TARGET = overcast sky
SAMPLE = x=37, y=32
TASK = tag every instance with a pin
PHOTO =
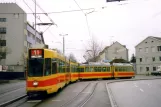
x=128, y=22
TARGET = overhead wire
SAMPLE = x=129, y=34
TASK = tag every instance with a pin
x=86, y=18
x=38, y=18
x=48, y=17
x=45, y=13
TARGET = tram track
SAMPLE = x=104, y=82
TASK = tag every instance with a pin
x=83, y=94
x=88, y=97
x=12, y=101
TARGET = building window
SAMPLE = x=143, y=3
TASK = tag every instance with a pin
x=140, y=49
x=2, y=19
x=29, y=45
x=141, y=68
x=145, y=42
x=25, y=49
x=146, y=59
x=153, y=59
x=160, y=58
x=3, y=55
x=159, y=48
x=2, y=30
x=154, y=68
x=2, y=42
x=152, y=41
x=146, y=49
x=33, y=36
x=140, y=59
x=147, y=68
x=16, y=15
x=153, y=49
x=29, y=34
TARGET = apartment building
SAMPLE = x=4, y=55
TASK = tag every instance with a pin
x=148, y=55
x=16, y=36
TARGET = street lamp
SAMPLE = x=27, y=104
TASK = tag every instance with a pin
x=63, y=42
x=114, y=0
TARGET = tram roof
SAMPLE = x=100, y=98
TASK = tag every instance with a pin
x=96, y=64
x=122, y=64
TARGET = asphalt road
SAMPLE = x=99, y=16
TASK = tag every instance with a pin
x=10, y=91
x=76, y=94
x=143, y=93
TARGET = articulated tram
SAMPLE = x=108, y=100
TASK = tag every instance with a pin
x=48, y=71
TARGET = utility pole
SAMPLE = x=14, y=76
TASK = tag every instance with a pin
x=35, y=22
x=63, y=42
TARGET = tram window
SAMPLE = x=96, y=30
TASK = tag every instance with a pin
x=95, y=69
x=108, y=69
x=35, y=67
x=132, y=68
x=72, y=69
x=67, y=67
x=99, y=69
x=120, y=69
x=123, y=69
x=60, y=66
x=75, y=69
x=47, y=66
x=91, y=69
x=104, y=69
x=80, y=69
x=86, y=69
x=128, y=69
x=54, y=68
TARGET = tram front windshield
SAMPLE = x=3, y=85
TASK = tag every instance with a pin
x=35, y=67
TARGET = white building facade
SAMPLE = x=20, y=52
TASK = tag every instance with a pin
x=16, y=36
x=148, y=55
x=114, y=51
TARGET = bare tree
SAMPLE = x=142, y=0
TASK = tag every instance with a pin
x=72, y=57
x=92, y=53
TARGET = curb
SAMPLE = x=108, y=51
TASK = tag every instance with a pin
x=111, y=97
x=4, y=81
x=11, y=101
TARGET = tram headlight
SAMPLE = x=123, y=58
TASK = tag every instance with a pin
x=35, y=83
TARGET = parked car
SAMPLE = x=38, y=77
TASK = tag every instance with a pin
x=156, y=73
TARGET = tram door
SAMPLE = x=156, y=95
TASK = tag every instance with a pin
x=112, y=71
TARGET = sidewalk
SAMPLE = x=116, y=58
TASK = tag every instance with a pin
x=9, y=81
x=4, y=81
x=146, y=77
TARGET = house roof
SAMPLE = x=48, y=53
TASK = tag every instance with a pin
x=157, y=38
x=118, y=43
x=103, y=50
x=110, y=46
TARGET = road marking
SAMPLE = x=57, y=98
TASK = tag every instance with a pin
x=136, y=85
x=56, y=100
x=141, y=90
x=86, y=92
x=34, y=101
